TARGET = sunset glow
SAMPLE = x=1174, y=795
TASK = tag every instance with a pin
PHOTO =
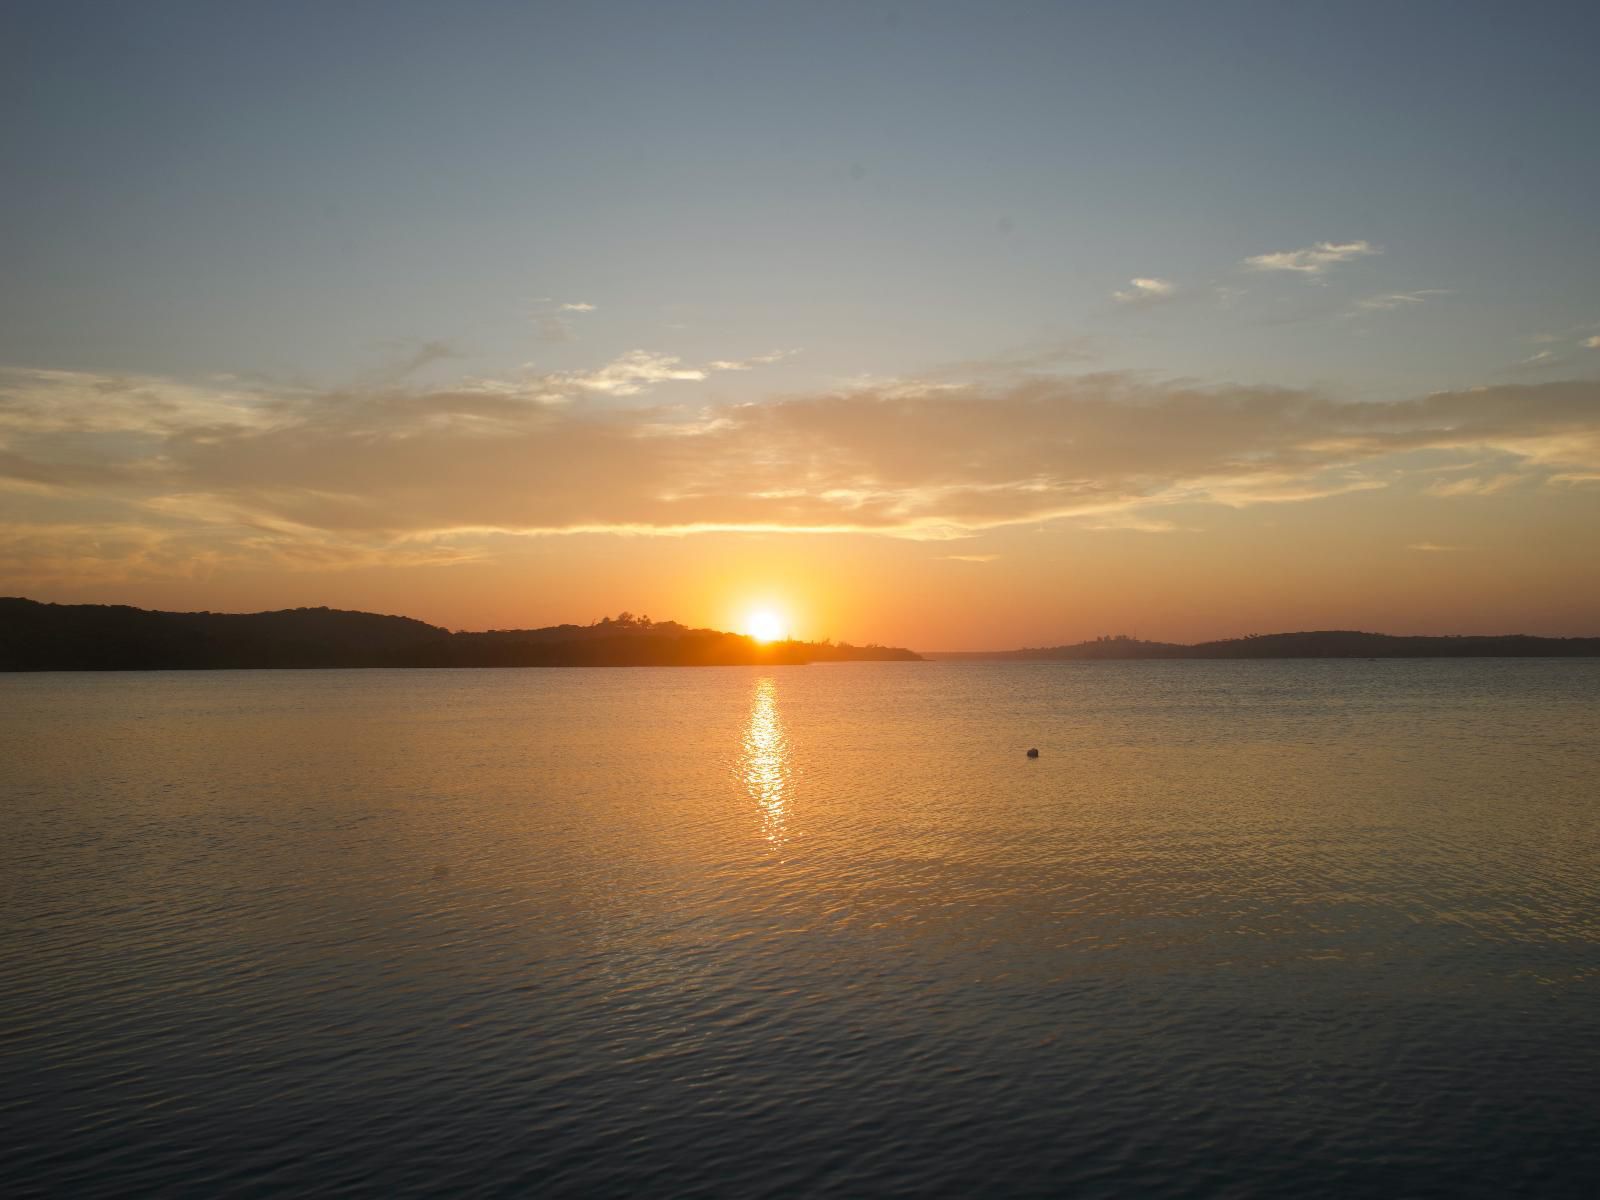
x=861, y=599
x=765, y=625
x=945, y=367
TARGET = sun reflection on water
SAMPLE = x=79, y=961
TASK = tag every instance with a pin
x=766, y=765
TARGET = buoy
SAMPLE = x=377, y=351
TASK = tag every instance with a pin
x=1033, y=753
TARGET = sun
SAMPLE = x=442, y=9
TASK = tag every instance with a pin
x=766, y=626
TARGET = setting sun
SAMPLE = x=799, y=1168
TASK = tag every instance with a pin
x=766, y=626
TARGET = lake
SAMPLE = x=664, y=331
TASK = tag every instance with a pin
x=1297, y=928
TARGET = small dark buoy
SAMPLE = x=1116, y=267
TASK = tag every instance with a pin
x=1033, y=753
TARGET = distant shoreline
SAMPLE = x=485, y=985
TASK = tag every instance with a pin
x=35, y=636
x=98, y=637
x=1336, y=643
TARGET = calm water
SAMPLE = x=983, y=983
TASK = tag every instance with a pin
x=1284, y=928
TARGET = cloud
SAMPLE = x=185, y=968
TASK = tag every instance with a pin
x=398, y=475
x=414, y=354
x=1396, y=300
x=629, y=374
x=1146, y=290
x=1474, y=485
x=551, y=328
x=550, y=324
x=100, y=406
x=1313, y=260
x=1542, y=360
x=744, y=364
x=1128, y=522
x=633, y=372
x=1044, y=357
x=71, y=553
x=1433, y=548
x=1557, y=348
x=970, y=558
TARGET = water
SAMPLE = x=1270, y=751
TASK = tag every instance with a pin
x=1243, y=929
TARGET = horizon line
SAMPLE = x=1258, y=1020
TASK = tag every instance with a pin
x=1111, y=639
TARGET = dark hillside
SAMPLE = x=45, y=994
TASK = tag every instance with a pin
x=93, y=637
x=1333, y=643
x=65, y=637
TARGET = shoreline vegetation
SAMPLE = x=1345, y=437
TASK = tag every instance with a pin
x=97, y=637
x=101, y=637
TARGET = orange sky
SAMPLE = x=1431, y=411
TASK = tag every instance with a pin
x=926, y=327
x=1482, y=535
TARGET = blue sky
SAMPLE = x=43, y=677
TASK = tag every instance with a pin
x=452, y=308
x=304, y=191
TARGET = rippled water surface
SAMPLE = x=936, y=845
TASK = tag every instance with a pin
x=1280, y=928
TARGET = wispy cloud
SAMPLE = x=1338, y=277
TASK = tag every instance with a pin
x=550, y=321
x=1394, y=300
x=1313, y=260
x=1474, y=485
x=1146, y=290
x=629, y=374
x=970, y=558
x=1543, y=360
x=1045, y=357
x=633, y=372
x=1433, y=548
x=400, y=475
x=1558, y=346
x=1129, y=522
x=745, y=364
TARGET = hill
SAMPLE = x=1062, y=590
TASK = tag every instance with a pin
x=1332, y=643
x=95, y=637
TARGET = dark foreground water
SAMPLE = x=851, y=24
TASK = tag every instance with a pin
x=1285, y=928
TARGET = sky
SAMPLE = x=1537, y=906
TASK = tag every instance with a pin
x=955, y=326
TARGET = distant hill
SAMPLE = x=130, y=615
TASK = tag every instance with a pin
x=97, y=637
x=1332, y=643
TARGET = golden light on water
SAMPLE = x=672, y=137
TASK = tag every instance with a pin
x=766, y=760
